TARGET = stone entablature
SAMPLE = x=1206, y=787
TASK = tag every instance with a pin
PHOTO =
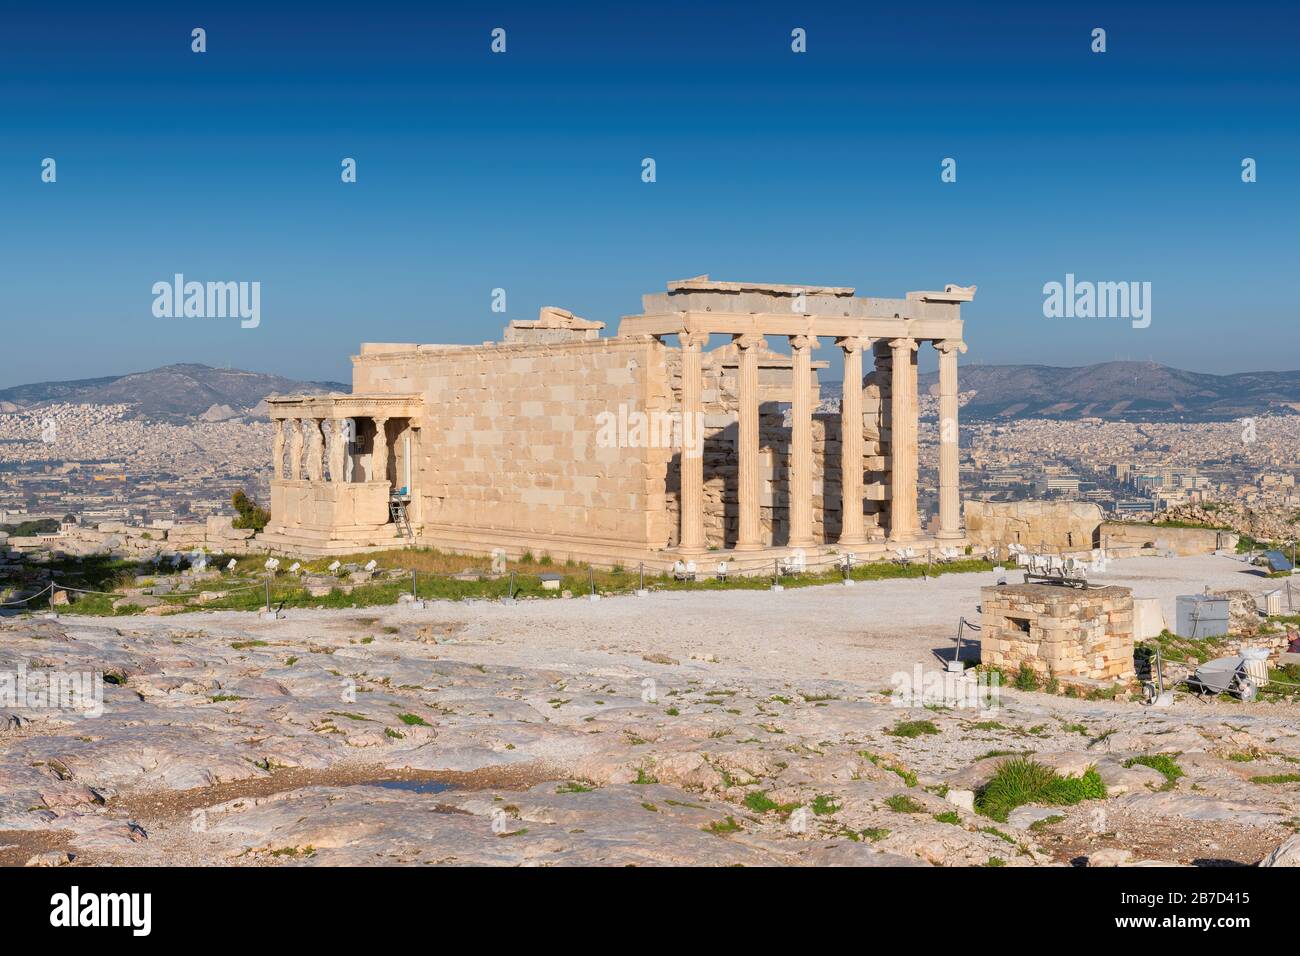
x=336, y=406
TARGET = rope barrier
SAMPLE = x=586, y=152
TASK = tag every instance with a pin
x=31, y=597
x=733, y=566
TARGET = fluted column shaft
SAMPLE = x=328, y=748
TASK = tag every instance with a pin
x=949, y=483
x=801, y=460
x=748, y=484
x=903, y=451
x=692, y=454
x=852, y=530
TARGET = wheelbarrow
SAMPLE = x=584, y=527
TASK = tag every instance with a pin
x=1225, y=675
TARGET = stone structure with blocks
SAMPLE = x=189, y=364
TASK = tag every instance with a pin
x=646, y=445
x=1072, y=634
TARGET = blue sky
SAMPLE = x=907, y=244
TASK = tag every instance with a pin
x=522, y=171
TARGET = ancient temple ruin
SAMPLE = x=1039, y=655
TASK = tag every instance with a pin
x=644, y=445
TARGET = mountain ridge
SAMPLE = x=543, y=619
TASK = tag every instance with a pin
x=1114, y=391
x=179, y=392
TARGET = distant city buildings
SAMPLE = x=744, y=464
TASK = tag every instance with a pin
x=97, y=464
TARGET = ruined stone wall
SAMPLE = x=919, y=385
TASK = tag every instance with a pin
x=508, y=452
x=1120, y=536
x=1058, y=631
x=1050, y=526
x=721, y=403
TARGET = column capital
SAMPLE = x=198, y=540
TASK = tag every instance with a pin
x=803, y=341
x=949, y=345
x=689, y=339
x=904, y=343
x=749, y=340
x=854, y=343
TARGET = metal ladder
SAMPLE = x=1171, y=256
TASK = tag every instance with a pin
x=397, y=511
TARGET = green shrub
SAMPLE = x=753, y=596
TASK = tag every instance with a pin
x=901, y=803
x=1166, y=764
x=1021, y=781
x=249, y=514
x=912, y=728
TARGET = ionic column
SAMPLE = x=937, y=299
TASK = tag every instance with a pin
x=852, y=530
x=315, y=449
x=277, y=449
x=295, y=450
x=748, y=484
x=379, y=456
x=692, y=456
x=337, y=452
x=902, y=483
x=949, y=486
x=801, y=461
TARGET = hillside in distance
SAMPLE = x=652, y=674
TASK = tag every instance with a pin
x=175, y=393
x=1121, y=391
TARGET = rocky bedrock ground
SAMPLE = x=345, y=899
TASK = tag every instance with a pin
x=651, y=731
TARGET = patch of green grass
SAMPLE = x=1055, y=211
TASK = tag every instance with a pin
x=1164, y=763
x=574, y=786
x=997, y=753
x=912, y=728
x=1038, y=826
x=995, y=861
x=242, y=645
x=907, y=776
x=413, y=720
x=949, y=816
x=294, y=851
x=994, y=831
x=99, y=573
x=874, y=834
x=902, y=803
x=220, y=698
x=395, y=734
x=1277, y=778
x=760, y=802
x=824, y=805
x=643, y=778
x=1021, y=781
x=719, y=827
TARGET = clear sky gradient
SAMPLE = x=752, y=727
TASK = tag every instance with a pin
x=523, y=170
